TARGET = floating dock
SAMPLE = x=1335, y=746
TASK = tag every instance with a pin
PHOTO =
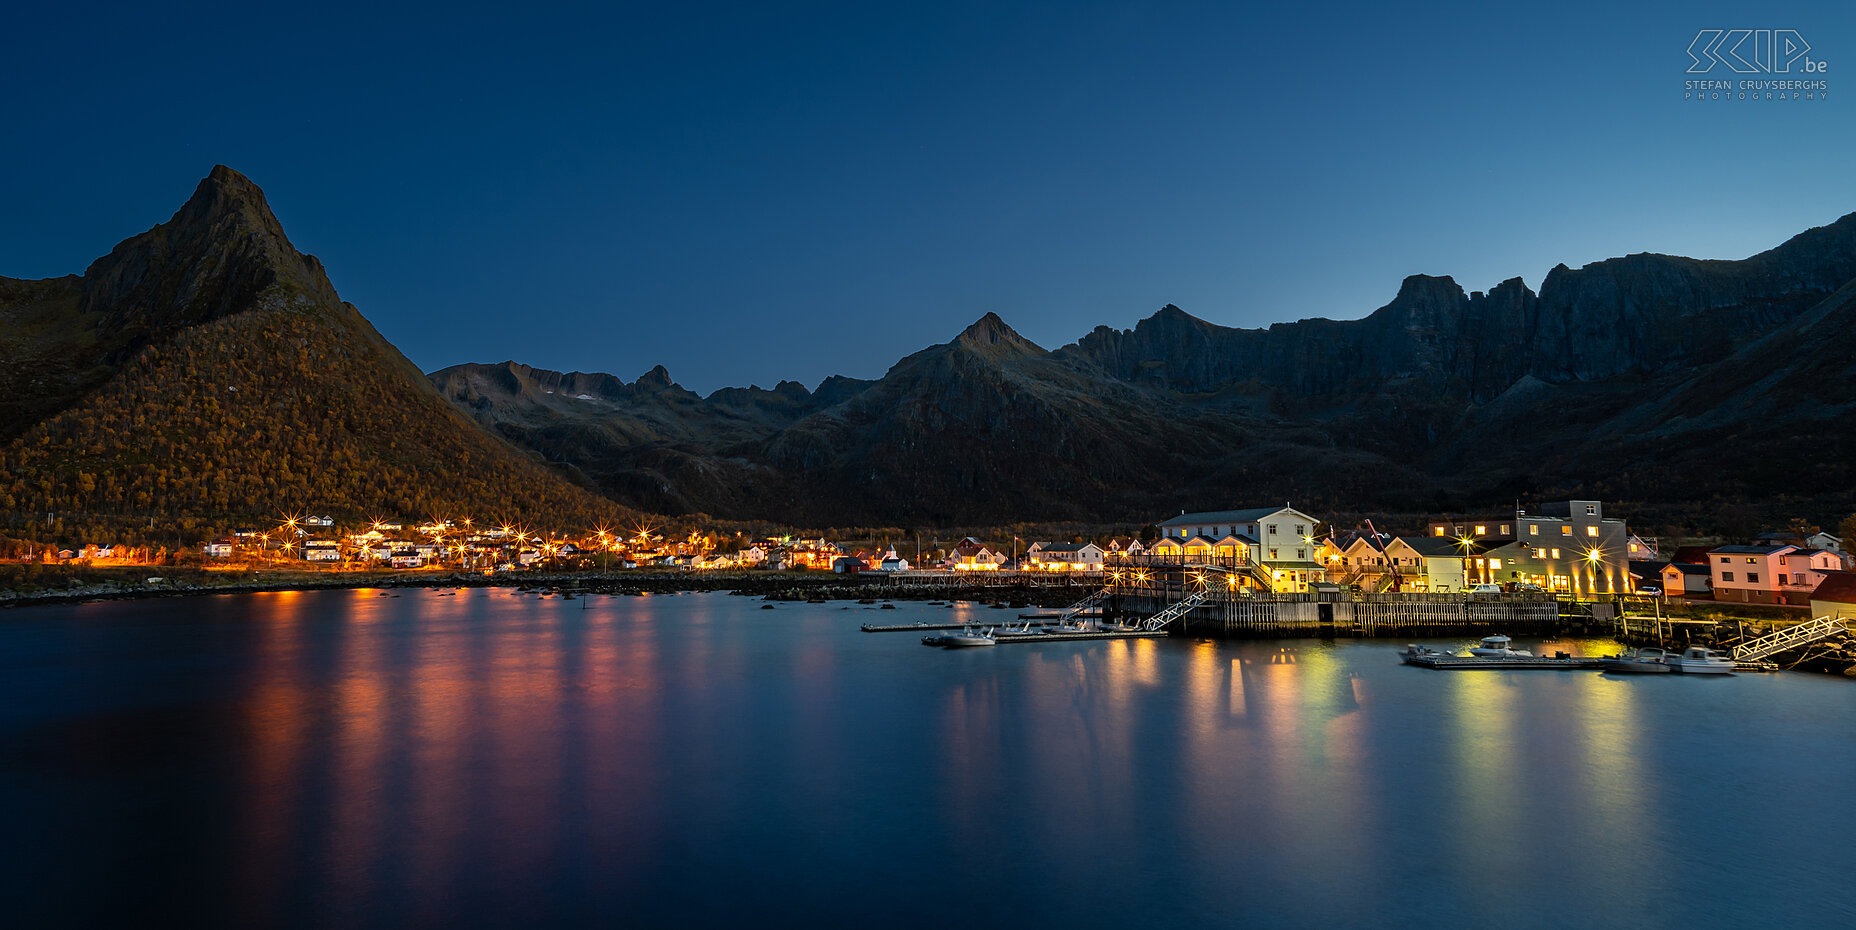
x=908, y=627
x=1003, y=638
x=1479, y=662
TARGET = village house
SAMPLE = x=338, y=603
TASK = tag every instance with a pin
x=1688, y=579
x=219, y=549
x=1769, y=574
x=1428, y=563
x=892, y=562
x=1121, y=547
x=321, y=550
x=1076, y=557
x=971, y=555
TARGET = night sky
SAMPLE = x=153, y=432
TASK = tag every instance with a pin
x=765, y=191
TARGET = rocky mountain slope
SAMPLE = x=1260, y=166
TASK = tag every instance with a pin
x=205, y=373
x=1648, y=379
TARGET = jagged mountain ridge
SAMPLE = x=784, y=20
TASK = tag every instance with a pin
x=1439, y=398
x=206, y=372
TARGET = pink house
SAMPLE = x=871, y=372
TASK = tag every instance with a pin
x=1802, y=570
x=1769, y=574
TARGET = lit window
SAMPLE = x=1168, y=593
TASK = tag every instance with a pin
x=1556, y=553
x=1749, y=560
x=1495, y=565
x=1482, y=531
x=1565, y=530
x=1633, y=547
x=1533, y=529
x=1272, y=554
x=1593, y=531
x=1540, y=553
x=1504, y=529
x=1440, y=531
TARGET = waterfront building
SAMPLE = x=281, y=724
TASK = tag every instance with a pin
x=219, y=549
x=1571, y=548
x=1077, y=557
x=1769, y=574
x=1281, y=542
x=971, y=555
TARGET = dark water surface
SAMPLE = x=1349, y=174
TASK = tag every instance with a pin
x=492, y=759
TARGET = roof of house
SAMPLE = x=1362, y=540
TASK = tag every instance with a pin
x=1837, y=586
x=1690, y=568
x=1643, y=568
x=1809, y=552
x=1749, y=550
x=1068, y=547
x=1694, y=555
x=1225, y=516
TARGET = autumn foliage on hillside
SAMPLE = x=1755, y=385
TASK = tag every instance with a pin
x=292, y=408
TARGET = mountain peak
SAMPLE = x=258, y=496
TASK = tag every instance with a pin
x=214, y=257
x=657, y=377
x=991, y=332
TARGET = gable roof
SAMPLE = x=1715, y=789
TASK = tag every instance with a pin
x=1689, y=568
x=1229, y=516
x=1749, y=550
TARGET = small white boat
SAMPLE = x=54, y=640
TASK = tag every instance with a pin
x=969, y=638
x=1639, y=662
x=1498, y=646
x=966, y=637
x=1698, y=660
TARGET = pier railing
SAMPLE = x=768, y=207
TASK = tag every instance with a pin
x=1792, y=637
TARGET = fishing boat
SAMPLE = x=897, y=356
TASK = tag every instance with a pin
x=1699, y=660
x=1498, y=646
x=1647, y=661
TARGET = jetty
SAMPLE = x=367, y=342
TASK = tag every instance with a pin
x=1502, y=662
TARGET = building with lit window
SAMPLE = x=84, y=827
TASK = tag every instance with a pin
x=1769, y=574
x=1281, y=541
x=1570, y=548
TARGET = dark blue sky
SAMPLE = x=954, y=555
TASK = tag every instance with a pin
x=765, y=191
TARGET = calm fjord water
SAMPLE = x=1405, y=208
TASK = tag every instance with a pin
x=496, y=759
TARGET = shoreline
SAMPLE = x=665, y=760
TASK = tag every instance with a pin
x=788, y=587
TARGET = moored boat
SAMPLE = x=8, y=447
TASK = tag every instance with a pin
x=1498, y=647
x=960, y=638
x=1638, y=662
x=1699, y=660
